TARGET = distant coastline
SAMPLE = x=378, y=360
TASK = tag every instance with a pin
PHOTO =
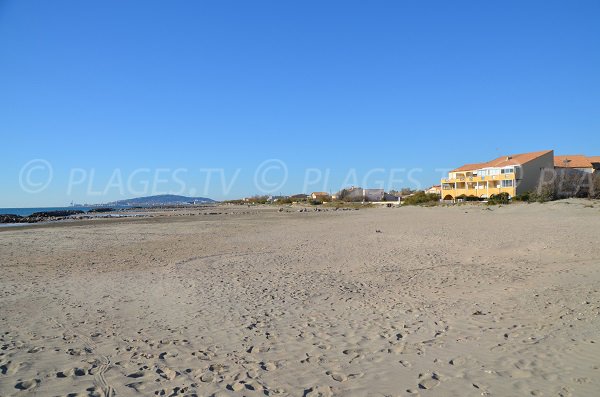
x=149, y=201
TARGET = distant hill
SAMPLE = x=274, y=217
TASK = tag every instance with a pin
x=163, y=199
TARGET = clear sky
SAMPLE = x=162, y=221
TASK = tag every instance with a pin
x=100, y=89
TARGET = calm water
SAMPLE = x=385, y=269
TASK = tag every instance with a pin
x=29, y=211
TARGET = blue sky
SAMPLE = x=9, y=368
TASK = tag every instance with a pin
x=100, y=89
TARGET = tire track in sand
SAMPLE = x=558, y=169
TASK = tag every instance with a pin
x=104, y=362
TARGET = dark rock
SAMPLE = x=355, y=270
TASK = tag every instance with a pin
x=101, y=210
x=11, y=218
x=52, y=214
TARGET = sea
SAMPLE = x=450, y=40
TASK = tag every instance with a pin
x=29, y=211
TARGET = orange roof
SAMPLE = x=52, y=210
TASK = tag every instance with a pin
x=320, y=193
x=503, y=161
x=575, y=161
x=469, y=167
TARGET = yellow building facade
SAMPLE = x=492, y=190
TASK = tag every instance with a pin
x=473, y=183
x=512, y=174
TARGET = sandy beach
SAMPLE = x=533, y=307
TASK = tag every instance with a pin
x=457, y=301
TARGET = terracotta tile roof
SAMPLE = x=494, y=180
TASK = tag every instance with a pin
x=320, y=193
x=504, y=161
x=469, y=167
x=575, y=161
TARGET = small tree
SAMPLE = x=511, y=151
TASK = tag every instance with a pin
x=500, y=198
x=595, y=188
x=545, y=192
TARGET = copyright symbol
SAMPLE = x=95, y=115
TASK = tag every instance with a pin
x=35, y=175
x=270, y=176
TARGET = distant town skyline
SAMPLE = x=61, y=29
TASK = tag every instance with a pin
x=214, y=99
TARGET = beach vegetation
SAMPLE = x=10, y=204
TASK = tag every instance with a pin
x=524, y=197
x=500, y=198
x=546, y=192
x=421, y=198
x=464, y=197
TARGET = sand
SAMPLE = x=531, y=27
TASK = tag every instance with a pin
x=461, y=301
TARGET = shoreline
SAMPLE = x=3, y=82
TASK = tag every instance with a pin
x=191, y=211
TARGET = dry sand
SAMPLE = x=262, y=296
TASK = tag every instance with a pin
x=462, y=301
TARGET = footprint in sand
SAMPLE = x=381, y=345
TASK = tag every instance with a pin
x=136, y=375
x=236, y=386
x=35, y=349
x=353, y=352
x=137, y=386
x=268, y=366
x=318, y=391
x=428, y=381
x=218, y=368
x=27, y=384
x=71, y=372
x=337, y=376
x=204, y=355
x=459, y=361
x=207, y=377
x=8, y=368
x=167, y=373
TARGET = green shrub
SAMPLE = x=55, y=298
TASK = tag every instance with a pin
x=595, y=188
x=526, y=197
x=421, y=198
x=464, y=197
x=500, y=198
x=237, y=201
x=544, y=193
x=284, y=200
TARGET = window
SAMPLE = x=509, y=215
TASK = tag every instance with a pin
x=507, y=183
x=508, y=171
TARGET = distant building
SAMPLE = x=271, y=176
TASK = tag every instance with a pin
x=319, y=196
x=435, y=189
x=351, y=194
x=274, y=199
x=359, y=194
x=515, y=174
x=299, y=196
x=373, y=194
x=578, y=162
x=390, y=197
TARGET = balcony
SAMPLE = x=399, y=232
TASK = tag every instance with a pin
x=479, y=178
x=468, y=191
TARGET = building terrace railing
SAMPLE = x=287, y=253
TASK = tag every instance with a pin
x=479, y=178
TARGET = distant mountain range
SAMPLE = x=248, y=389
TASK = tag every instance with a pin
x=163, y=199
